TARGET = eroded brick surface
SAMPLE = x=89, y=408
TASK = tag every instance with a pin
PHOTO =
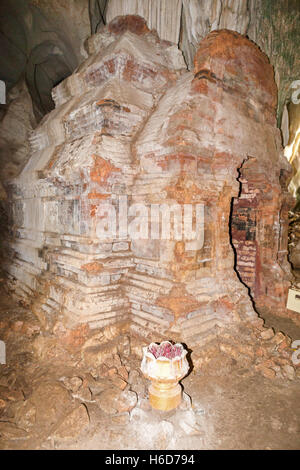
x=131, y=121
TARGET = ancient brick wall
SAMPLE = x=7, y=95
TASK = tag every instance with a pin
x=133, y=126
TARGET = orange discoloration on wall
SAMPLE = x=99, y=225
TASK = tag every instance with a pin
x=178, y=301
x=133, y=23
x=186, y=161
x=241, y=58
x=101, y=170
x=92, y=268
x=95, y=195
x=75, y=338
x=93, y=210
x=184, y=191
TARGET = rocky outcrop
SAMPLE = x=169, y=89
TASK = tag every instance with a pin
x=42, y=41
x=17, y=123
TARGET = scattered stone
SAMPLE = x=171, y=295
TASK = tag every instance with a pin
x=127, y=401
x=84, y=394
x=73, y=383
x=144, y=404
x=47, y=404
x=107, y=400
x=279, y=337
x=73, y=424
x=288, y=371
x=122, y=371
x=98, y=386
x=94, y=341
x=137, y=383
x=112, y=371
x=117, y=381
x=268, y=373
x=113, y=401
x=94, y=356
x=11, y=431
x=267, y=334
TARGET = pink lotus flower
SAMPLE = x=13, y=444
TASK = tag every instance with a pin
x=165, y=349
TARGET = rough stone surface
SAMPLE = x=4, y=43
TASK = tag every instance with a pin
x=132, y=121
x=73, y=424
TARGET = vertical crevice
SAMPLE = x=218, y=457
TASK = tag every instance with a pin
x=230, y=225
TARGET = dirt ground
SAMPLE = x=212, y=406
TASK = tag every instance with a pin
x=239, y=409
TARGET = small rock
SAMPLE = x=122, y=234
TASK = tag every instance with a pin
x=113, y=361
x=112, y=371
x=279, y=338
x=103, y=370
x=107, y=400
x=25, y=415
x=137, y=383
x=117, y=381
x=112, y=401
x=84, y=394
x=127, y=401
x=145, y=405
x=73, y=383
x=73, y=424
x=98, y=386
x=268, y=373
x=288, y=371
x=95, y=340
x=122, y=371
x=267, y=334
x=133, y=376
x=11, y=395
x=47, y=404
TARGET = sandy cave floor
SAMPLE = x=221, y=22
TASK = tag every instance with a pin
x=239, y=409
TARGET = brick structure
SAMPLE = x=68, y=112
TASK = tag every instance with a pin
x=132, y=121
